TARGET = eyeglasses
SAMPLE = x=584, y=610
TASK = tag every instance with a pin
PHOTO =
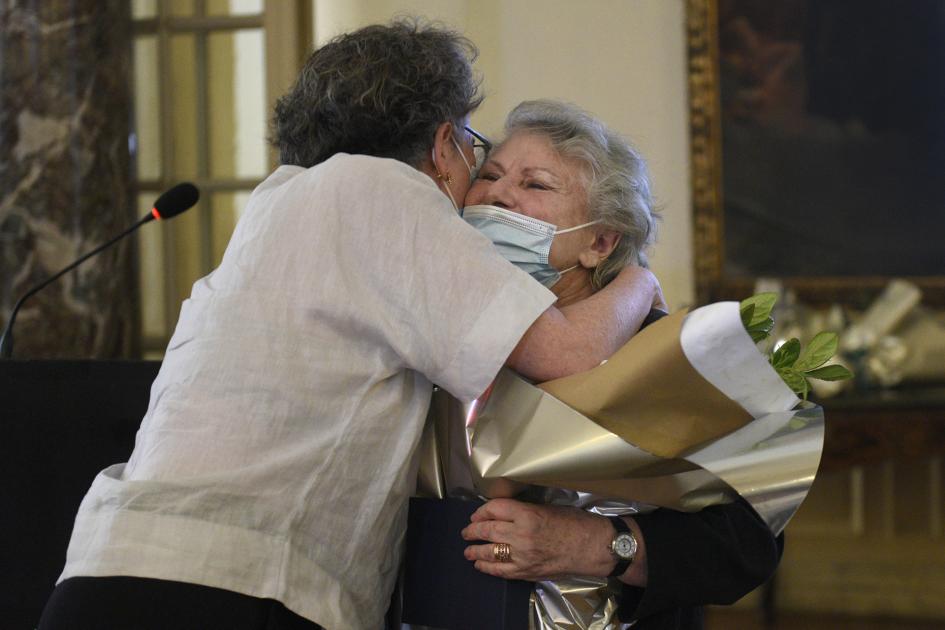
x=481, y=146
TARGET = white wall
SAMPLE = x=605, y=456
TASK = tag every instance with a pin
x=623, y=60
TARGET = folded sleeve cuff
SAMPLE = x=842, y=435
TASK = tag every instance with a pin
x=493, y=336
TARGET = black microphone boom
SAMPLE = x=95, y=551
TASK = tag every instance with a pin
x=171, y=203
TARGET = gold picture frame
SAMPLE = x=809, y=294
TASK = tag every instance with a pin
x=705, y=118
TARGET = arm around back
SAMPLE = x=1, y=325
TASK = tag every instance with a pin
x=578, y=337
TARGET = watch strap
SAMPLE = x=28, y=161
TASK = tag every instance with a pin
x=621, y=527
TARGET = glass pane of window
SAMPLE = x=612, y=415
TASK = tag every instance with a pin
x=234, y=7
x=181, y=8
x=151, y=273
x=240, y=200
x=237, y=95
x=227, y=209
x=187, y=248
x=143, y=9
x=183, y=116
x=146, y=138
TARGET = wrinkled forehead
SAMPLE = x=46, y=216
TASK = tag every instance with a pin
x=534, y=150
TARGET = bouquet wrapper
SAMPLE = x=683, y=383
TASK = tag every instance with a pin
x=687, y=414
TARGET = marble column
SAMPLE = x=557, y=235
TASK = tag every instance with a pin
x=65, y=178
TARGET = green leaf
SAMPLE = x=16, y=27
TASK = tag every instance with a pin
x=786, y=354
x=746, y=311
x=758, y=335
x=794, y=379
x=760, y=331
x=763, y=326
x=830, y=373
x=818, y=351
x=761, y=305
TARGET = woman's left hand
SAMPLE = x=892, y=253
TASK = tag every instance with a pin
x=545, y=541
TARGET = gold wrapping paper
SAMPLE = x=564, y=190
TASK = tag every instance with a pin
x=643, y=430
x=637, y=394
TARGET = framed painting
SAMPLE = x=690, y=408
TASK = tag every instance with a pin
x=817, y=146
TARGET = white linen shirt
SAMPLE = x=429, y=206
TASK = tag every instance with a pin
x=277, y=453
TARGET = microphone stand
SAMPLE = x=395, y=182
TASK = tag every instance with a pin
x=6, y=340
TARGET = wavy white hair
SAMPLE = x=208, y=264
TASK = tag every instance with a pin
x=615, y=176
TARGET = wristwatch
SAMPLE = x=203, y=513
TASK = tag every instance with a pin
x=623, y=547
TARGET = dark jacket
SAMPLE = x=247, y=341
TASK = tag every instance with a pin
x=715, y=556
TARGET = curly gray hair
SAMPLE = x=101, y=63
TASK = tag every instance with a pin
x=615, y=177
x=381, y=91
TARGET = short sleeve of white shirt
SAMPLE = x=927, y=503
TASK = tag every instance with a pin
x=385, y=238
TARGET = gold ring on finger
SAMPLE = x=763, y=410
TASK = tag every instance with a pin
x=502, y=552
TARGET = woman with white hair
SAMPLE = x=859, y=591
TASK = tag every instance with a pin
x=568, y=200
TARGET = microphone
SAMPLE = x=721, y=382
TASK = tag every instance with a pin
x=172, y=202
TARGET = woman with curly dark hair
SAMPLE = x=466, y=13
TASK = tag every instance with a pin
x=270, y=476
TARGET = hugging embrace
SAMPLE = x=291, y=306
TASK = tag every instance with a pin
x=269, y=481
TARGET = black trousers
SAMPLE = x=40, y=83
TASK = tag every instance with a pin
x=133, y=603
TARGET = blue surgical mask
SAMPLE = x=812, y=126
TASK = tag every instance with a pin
x=523, y=241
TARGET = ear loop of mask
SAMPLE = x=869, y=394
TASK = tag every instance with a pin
x=446, y=185
x=471, y=169
x=577, y=227
x=572, y=229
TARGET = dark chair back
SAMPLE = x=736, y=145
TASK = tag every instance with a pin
x=61, y=422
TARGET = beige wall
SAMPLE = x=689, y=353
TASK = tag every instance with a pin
x=624, y=60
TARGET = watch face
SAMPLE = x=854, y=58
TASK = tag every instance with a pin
x=625, y=546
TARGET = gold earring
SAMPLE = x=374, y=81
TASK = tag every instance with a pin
x=446, y=178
